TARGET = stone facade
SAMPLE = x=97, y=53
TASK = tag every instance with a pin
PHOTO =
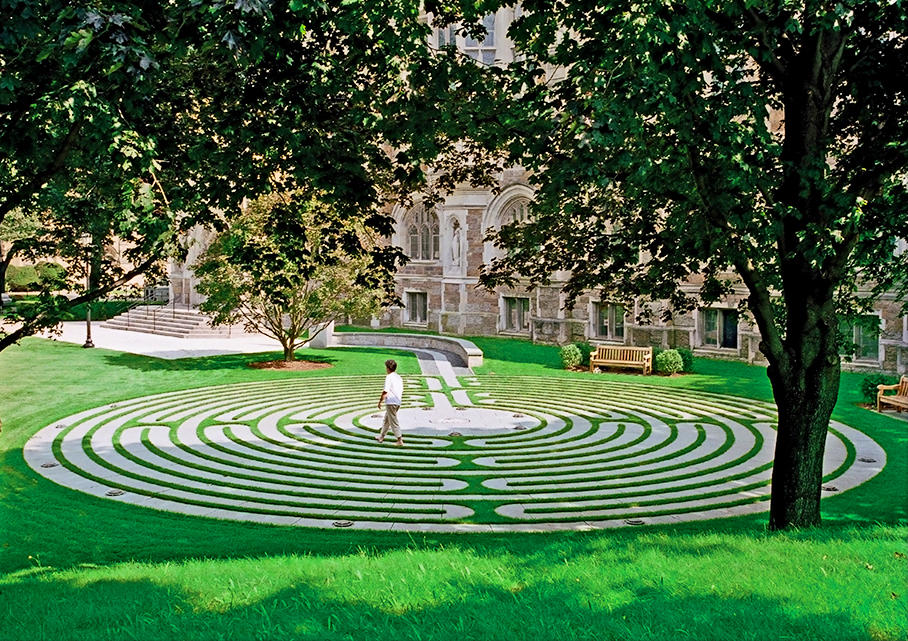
x=440, y=291
x=182, y=280
x=445, y=284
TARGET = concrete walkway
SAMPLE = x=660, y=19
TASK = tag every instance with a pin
x=166, y=347
x=431, y=362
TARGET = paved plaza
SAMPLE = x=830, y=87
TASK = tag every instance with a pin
x=482, y=453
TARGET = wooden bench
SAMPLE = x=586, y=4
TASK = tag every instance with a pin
x=899, y=400
x=621, y=356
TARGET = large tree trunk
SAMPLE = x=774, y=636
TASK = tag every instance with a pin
x=4, y=264
x=805, y=400
x=805, y=385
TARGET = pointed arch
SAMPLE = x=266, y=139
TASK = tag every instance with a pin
x=420, y=235
x=511, y=205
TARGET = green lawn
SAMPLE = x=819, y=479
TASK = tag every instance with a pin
x=74, y=566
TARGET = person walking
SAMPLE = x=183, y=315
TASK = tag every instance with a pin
x=391, y=396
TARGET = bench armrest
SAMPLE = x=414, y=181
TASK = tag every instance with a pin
x=885, y=387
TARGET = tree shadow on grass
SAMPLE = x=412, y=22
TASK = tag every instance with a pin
x=241, y=362
x=435, y=606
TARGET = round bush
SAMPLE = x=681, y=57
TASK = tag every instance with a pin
x=669, y=362
x=687, y=357
x=22, y=278
x=570, y=356
x=585, y=349
x=869, y=383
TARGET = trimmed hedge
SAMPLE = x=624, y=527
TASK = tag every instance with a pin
x=687, y=357
x=585, y=349
x=26, y=278
x=869, y=383
x=101, y=310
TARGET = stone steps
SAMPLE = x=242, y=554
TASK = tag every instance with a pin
x=169, y=321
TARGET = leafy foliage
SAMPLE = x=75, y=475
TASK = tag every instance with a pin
x=687, y=358
x=252, y=274
x=135, y=121
x=570, y=356
x=749, y=146
x=585, y=349
x=669, y=361
x=23, y=278
x=869, y=385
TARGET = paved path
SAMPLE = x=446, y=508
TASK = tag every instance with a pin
x=482, y=454
x=166, y=347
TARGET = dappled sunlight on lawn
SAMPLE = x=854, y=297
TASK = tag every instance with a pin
x=708, y=586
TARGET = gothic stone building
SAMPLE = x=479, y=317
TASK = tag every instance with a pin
x=439, y=289
x=445, y=244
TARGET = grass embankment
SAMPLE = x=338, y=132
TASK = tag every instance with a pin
x=79, y=567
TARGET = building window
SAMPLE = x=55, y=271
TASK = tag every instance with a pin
x=609, y=321
x=516, y=314
x=516, y=211
x=720, y=328
x=447, y=37
x=422, y=231
x=861, y=338
x=417, y=307
x=483, y=50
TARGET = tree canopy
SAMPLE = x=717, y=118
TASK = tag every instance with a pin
x=762, y=143
x=253, y=274
x=139, y=120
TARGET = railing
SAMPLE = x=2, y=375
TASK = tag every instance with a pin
x=150, y=308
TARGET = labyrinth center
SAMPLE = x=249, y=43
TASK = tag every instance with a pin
x=498, y=453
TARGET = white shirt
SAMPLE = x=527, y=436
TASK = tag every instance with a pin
x=394, y=386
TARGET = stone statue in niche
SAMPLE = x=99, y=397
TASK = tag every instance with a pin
x=456, y=244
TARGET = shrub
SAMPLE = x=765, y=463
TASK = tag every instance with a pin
x=585, y=349
x=869, y=383
x=669, y=362
x=101, y=310
x=570, y=356
x=687, y=357
x=21, y=278
x=28, y=278
x=50, y=273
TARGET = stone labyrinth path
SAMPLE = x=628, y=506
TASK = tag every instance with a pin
x=481, y=454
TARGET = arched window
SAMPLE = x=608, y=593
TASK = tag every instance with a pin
x=516, y=211
x=422, y=231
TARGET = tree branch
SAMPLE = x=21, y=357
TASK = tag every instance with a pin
x=13, y=200
x=35, y=324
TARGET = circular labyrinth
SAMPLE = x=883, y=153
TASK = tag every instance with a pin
x=501, y=454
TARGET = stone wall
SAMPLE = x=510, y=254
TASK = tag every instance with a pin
x=458, y=307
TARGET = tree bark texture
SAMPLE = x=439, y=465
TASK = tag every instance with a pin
x=4, y=264
x=805, y=379
x=805, y=400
